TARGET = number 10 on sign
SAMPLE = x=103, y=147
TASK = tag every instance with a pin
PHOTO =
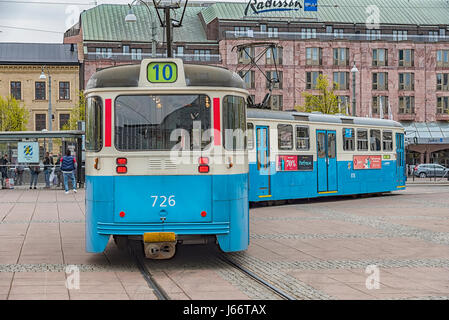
x=162, y=72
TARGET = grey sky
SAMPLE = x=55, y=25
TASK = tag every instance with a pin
x=45, y=15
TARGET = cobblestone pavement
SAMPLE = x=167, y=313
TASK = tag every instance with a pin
x=319, y=249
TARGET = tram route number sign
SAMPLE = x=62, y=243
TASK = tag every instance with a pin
x=295, y=163
x=162, y=72
x=367, y=162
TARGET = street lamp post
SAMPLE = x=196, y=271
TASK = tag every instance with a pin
x=50, y=112
x=131, y=17
x=354, y=71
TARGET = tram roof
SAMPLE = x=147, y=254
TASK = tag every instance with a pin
x=317, y=117
x=196, y=75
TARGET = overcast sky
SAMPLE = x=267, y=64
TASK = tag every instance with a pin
x=20, y=19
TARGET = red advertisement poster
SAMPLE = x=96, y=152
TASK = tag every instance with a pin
x=287, y=163
x=367, y=162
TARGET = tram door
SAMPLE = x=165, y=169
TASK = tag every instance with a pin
x=263, y=161
x=400, y=159
x=327, y=161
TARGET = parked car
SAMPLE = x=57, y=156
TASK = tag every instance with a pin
x=430, y=170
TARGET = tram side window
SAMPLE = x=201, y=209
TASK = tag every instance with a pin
x=234, y=123
x=250, y=136
x=362, y=140
x=348, y=139
x=375, y=140
x=302, y=138
x=162, y=122
x=387, y=140
x=285, y=137
x=94, y=136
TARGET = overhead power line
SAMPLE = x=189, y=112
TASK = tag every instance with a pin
x=50, y=2
x=30, y=29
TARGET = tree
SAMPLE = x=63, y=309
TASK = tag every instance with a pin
x=325, y=102
x=77, y=114
x=13, y=115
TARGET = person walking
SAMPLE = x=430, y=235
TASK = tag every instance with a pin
x=68, y=166
x=48, y=163
x=4, y=168
x=34, y=170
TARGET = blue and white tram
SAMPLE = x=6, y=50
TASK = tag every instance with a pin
x=158, y=165
x=296, y=155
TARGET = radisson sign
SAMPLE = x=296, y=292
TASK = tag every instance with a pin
x=261, y=6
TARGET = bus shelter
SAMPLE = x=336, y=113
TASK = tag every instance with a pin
x=10, y=141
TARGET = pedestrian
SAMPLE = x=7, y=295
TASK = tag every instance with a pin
x=48, y=163
x=34, y=170
x=4, y=168
x=58, y=170
x=68, y=166
x=19, y=172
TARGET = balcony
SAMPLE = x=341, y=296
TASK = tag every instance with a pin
x=406, y=116
x=442, y=117
x=255, y=35
x=136, y=58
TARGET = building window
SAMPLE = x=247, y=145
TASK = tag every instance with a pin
x=302, y=138
x=276, y=77
x=329, y=29
x=40, y=121
x=380, y=81
x=311, y=79
x=285, y=137
x=375, y=142
x=314, y=56
x=202, y=55
x=379, y=101
x=373, y=34
x=387, y=140
x=64, y=90
x=442, y=105
x=263, y=28
x=348, y=139
x=249, y=78
x=442, y=81
x=125, y=51
x=16, y=90
x=443, y=58
x=273, y=32
x=407, y=105
x=341, y=80
x=64, y=119
x=275, y=102
x=105, y=53
x=39, y=90
x=244, y=55
x=407, y=81
x=136, y=54
x=242, y=31
x=400, y=35
x=433, y=36
x=308, y=33
x=380, y=57
x=274, y=56
x=338, y=33
x=362, y=140
x=406, y=58
x=341, y=57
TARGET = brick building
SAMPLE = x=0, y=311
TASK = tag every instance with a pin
x=402, y=62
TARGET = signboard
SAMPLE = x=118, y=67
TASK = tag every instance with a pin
x=295, y=163
x=162, y=72
x=348, y=133
x=310, y=5
x=367, y=162
x=261, y=6
x=28, y=152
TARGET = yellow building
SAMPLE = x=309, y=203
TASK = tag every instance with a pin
x=22, y=66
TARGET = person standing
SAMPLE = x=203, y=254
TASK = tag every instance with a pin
x=4, y=168
x=68, y=166
x=48, y=163
x=34, y=170
x=19, y=171
x=58, y=170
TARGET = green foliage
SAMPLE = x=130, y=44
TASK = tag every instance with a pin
x=325, y=102
x=77, y=114
x=13, y=116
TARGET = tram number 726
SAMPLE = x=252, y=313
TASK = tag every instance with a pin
x=163, y=201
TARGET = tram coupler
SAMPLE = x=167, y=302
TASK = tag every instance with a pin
x=159, y=245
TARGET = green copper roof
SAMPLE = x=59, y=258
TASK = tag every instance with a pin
x=411, y=12
x=107, y=23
